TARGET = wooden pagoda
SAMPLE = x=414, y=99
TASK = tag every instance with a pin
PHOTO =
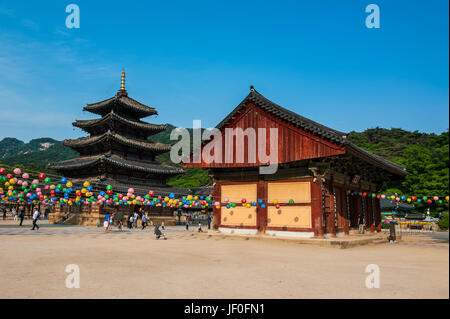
x=118, y=152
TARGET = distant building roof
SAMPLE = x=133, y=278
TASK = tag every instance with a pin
x=392, y=204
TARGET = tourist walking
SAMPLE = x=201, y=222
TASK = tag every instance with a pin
x=36, y=215
x=4, y=212
x=22, y=215
x=200, y=230
x=144, y=221
x=111, y=221
x=187, y=223
x=135, y=219
x=119, y=218
x=209, y=222
x=163, y=226
x=130, y=222
x=14, y=213
x=361, y=224
x=106, y=222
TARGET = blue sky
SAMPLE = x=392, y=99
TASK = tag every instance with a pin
x=197, y=59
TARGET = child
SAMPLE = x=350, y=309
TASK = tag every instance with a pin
x=200, y=230
x=106, y=222
x=111, y=221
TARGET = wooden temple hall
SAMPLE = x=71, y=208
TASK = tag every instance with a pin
x=312, y=193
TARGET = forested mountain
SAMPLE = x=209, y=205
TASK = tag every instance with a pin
x=425, y=156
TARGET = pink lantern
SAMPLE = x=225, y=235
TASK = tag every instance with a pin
x=131, y=190
x=25, y=184
x=17, y=171
x=25, y=176
x=436, y=198
x=383, y=196
x=226, y=200
x=397, y=199
x=19, y=182
x=35, y=182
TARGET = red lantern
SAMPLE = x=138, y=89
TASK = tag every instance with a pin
x=429, y=201
x=243, y=201
x=109, y=192
x=151, y=193
x=277, y=206
x=9, y=176
x=41, y=176
x=120, y=196
x=364, y=194
x=413, y=197
x=378, y=196
x=46, y=187
x=2, y=171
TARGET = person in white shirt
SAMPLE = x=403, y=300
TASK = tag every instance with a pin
x=135, y=219
x=35, y=219
x=14, y=212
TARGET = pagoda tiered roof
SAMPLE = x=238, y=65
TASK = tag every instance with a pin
x=115, y=161
x=123, y=104
x=84, y=144
x=117, y=148
x=113, y=120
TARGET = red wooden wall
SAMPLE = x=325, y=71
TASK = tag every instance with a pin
x=293, y=143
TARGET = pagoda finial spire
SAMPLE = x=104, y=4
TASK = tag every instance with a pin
x=122, y=90
x=122, y=82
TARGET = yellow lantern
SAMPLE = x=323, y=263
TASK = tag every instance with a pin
x=69, y=184
x=446, y=198
x=52, y=186
x=275, y=201
x=86, y=184
x=12, y=181
x=83, y=190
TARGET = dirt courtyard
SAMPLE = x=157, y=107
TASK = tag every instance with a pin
x=133, y=264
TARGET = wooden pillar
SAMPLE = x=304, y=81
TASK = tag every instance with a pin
x=346, y=210
x=261, y=213
x=316, y=207
x=372, y=215
x=215, y=222
x=378, y=215
x=331, y=220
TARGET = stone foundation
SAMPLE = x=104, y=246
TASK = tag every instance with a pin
x=95, y=215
